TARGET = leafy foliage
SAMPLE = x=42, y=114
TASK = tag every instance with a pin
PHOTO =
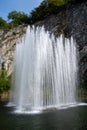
x=4, y=81
x=56, y=2
x=38, y=13
x=18, y=18
x=46, y=8
x=3, y=23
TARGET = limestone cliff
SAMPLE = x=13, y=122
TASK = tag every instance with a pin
x=8, y=41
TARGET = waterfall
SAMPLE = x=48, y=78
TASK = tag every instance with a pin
x=45, y=71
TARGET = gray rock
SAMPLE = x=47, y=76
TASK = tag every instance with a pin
x=72, y=21
x=8, y=41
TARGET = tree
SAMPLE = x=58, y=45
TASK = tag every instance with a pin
x=18, y=18
x=3, y=23
x=39, y=12
x=46, y=8
x=56, y=2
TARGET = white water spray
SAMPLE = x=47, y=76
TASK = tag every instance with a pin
x=45, y=71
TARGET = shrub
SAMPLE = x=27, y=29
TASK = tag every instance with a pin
x=3, y=23
x=17, y=18
x=4, y=81
x=57, y=2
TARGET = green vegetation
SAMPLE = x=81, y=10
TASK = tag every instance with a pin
x=57, y=2
x=18, y=18
x=15, y=19
x=46, y=8
x=3, y=23
x=4, y=81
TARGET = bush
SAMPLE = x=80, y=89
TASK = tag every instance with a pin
x=3, y=23
x=48, y=7
x=38, y=13
x=17, y=18
x=4, y=81
x=44, y=10
x=56, y=2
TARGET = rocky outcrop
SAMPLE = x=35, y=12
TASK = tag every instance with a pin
x=8, y=41
x=72, y=21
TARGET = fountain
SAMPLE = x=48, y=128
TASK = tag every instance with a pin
x=45, y=71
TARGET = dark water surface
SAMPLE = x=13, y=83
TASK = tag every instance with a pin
x=66, y=119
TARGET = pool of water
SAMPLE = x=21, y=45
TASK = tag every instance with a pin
x=74, y=118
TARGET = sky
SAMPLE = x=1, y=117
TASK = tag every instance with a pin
x=26, y=6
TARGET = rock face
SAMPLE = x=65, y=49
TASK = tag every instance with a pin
x=8, y=41
x=72, y=21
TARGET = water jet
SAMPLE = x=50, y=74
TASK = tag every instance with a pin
x=45, y=71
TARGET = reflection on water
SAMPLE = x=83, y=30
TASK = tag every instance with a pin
x=66, y=119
